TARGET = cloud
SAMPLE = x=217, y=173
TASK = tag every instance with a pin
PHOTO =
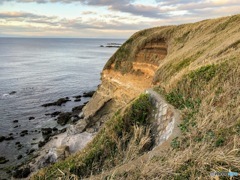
x=127, y=6
x=109, y=22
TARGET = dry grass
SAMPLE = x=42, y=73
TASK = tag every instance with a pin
x=201, y=77
x=123, y=138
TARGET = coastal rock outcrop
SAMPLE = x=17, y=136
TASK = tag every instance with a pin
x=127, y=74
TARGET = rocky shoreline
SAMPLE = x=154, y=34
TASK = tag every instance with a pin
x=57, y=142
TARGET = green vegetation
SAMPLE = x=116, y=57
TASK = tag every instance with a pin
x=200, y=77
x=125, y=136
x=168, y=70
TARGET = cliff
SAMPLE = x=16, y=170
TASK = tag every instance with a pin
x=193, y=67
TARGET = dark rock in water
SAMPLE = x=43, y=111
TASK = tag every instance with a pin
x=30, y=151
x=31, y=118
x=3, y=160
x=85, y=103
x=41, y=143
x=24, y=132
x=19, y=146
x=46, y=131
x=17, y=143
x=76, y=110
x=59, y=102
x=15, y=121
x=56, y=113
x=19, y=157
x=34, y=139
x=10, y=134
x=22, y=173
x=77, y=100
x=101, y=45
x=55, y=129
x=2, y=138
x=8, y=138
x=77, y=97
x=88, y=94
x=16, y=126
x=63, y=118
x=13, y=92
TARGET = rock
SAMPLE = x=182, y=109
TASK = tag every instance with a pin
x=2, y=138
x=81, y=115
x=24, y=132
x=8, y=138
x=74, y=119
x=19, y=157
x=47, y=159
x=10, y=134
x=85, y=102
x=62, y=152
x=46, y=131
x=76, y=110
x=81, y=126
x=31, y=118
x=88, y=94
x=77, y=97
x=20, y=146
x=30, y=151
x=63, y=130
x=16, y=126
x=56, y=113
x=13, y=92
x=15, y=121
x=59, y=102
x=77, y=100
x=63, y=118
x=17, y=143
x=101, y=45
x=34, y=139
x=22, y=173
x=55, y=129
x=90, y=130
x=3, y=160
x=41, y=143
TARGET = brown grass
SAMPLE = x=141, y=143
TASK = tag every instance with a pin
x=201, y=77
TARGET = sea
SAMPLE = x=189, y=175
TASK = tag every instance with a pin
x=35, y=71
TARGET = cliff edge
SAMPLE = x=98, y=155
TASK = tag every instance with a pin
x=195, y=69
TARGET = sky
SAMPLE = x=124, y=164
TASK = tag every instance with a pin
x=103, y=18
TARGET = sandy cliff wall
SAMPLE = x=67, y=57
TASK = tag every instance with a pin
x=124, y=78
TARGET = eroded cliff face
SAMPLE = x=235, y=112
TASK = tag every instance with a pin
x=124, y=79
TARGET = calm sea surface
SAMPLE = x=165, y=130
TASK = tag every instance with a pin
x=42, y=71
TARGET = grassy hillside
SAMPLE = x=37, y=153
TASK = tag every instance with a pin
x=200, y=76
x=126, y=136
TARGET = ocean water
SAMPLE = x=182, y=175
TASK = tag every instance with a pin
x=42, y=71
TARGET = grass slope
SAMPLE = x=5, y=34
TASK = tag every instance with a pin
x=201, y=77
x=126, y=136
